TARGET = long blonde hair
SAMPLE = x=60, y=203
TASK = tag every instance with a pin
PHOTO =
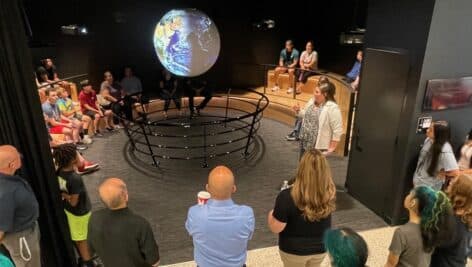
x=313, y=191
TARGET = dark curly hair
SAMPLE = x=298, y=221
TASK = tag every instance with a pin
x=64, y=155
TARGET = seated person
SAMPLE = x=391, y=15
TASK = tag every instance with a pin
x=58, y=123
x=169, y=91
x=352, y=77
x=47, y=73
x=90, y=107
x=133, y=92
x=308, y=63
x=106, y=105
x=465, y=160
x=194, y=87
x=220, y=229
x=112, y=92
x=68, y=109
x=288, y=60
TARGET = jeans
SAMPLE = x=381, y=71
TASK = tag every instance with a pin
x=297, y=126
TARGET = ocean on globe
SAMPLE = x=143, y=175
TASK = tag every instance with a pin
x=187, y=42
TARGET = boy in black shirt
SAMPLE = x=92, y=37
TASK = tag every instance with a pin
x=76, y=201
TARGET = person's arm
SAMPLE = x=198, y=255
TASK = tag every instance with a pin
x=148, y=246
x=275, y=225
x=392, y=260
x=314, y=58
x=7, y=211
x=73, y=199
x=66, y=113
x=295, y=61
x=106, y=94
x=448, y=164
x=336, y=125
x=65, y=118
x=53, y=122
x=88, y=107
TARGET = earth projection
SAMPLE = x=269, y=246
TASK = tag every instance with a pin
x=187, y=42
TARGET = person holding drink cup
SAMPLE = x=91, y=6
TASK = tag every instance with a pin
x=220, y=228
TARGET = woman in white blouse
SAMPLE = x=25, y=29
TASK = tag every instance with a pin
x=308, y=63
x=465, y=160
x=322, y=124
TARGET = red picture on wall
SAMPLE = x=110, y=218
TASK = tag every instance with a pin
x=444, y=94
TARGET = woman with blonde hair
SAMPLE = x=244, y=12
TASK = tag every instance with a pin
x=302, y=213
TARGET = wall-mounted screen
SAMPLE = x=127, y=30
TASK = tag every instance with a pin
x=444, y=94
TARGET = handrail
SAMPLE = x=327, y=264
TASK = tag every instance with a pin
x=64, y=79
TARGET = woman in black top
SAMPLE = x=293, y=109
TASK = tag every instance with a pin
x=77, y=206
x=302, y=213
x=454, y=252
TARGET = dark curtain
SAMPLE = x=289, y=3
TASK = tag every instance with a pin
x=22, y=125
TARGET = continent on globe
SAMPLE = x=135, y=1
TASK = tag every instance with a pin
x=187, y=42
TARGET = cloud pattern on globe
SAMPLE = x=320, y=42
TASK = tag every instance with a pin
x=187, y=42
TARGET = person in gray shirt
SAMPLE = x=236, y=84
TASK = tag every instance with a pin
x=436, y=163
x=19, y=212
x=133, y=90
x=430, y=223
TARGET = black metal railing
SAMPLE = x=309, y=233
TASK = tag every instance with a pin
x=230, y=127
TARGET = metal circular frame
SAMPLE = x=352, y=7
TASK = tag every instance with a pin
x=247, y=122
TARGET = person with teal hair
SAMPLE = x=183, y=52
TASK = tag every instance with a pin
x=430, y=224
x=346, y=248
x=5, y=262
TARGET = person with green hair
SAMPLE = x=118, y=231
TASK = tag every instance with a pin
x=430, y=223
x=4, y=261
x=346, y=248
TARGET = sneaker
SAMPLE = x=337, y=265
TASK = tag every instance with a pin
x=275, y=88
x=119, y=126
x=98, y=134
x=88, y=167
x=81, y=146
x=87, y=140
x=290, y=90
x=292, y=137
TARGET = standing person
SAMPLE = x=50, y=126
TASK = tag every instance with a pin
x=436, y=162
x=302, y=213
x=352, y=77
x=77, y=206
x=294, y=135
x=288, y=60
x=119, y=236
x=454, y=252
x=322, y=124
x=429, y=226
x=465, y=159
x=346, y=248
x=220, y=229
x=90, y=107
x=111, y=91
x=308, y=63
x=19, y=212
x=169, y=90
x=47, y=73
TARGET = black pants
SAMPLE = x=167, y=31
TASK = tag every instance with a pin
x=117, y=110
x=207, y=93
x=168, y=97
x=127, y=107
x=302, y=75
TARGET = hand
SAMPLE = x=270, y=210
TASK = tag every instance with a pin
x=101, y=113
x=69, y=125
x=121, y=102
x=327, y=152
x=296, y=107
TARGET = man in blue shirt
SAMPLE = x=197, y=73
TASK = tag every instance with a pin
x=352, y=76
x=220, y=229
x=19, y=212
x=288, y=60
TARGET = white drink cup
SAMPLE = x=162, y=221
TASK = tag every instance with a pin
x=202, y=197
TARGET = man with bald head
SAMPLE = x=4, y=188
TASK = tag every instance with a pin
x=117, y=235
x=220, y=229
x=19, y=211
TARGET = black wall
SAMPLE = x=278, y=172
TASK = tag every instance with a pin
x=113, y=44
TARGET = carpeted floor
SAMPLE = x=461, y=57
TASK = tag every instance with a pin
x=164, y=196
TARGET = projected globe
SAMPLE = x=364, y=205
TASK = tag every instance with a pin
x=187, y=42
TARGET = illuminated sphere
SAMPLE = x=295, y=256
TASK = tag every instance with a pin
x=187, y=42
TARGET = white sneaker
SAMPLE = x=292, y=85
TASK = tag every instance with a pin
x=118, y=126
x=275, y=88
x=290, y=90
x=87, y=140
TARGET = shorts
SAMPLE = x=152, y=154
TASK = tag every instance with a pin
x=78, y=116
x=78, y=226
x=57, y=129
x=90, y=113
